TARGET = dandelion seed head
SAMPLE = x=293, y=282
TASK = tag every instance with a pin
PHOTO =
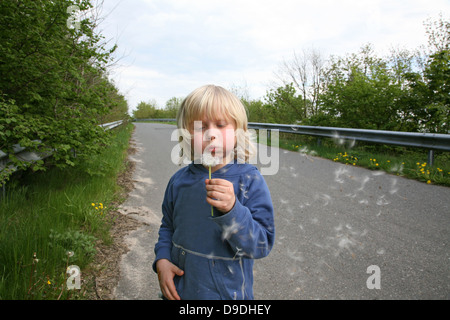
x=209, y=160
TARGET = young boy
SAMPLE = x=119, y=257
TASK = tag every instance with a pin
x=204, y=254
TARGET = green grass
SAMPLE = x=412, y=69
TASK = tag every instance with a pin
x=407, y=162
x=51, y=220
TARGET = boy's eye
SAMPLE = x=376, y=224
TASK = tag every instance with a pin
x=198, y=126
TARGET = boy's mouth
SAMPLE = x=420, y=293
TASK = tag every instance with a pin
x=213, y=150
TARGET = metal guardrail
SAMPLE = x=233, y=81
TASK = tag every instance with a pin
x=111, y=125
x=430, y=141
x=30, y=156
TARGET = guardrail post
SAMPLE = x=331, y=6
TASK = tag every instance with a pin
x=430, y=157
x=268, y=135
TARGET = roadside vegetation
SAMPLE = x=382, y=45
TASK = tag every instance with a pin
x=51, y=220
x=54, y=93
x=54, y=85
x=400, y=161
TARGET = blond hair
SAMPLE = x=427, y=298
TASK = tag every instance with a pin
x=212, y=101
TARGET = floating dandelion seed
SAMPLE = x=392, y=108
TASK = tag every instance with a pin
x=295, y=256
x=338, y=173
x=363, y=183
x=325, y=197
x=228, y=231
x=337, y=139
x=381, y=201
x=352, y=143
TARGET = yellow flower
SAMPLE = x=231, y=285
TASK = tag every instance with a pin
x=429, y=181
x=48, y=282
x=93, y=204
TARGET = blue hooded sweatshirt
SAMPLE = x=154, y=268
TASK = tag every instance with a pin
x=215, y=252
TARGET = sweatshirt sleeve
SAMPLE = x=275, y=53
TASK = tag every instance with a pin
x=249, y=227
x=164, y=245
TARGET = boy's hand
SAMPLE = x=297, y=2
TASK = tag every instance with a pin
x=166, y=272
x=220, y=194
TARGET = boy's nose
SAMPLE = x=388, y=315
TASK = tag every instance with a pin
x=210, y=134
x=210, y=137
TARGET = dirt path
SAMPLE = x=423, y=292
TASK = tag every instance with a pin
x=104, y=273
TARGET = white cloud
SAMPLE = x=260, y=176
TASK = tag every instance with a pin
x=173, y=46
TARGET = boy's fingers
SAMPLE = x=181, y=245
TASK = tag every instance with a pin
x=171, y=292
x=166, y=273
x=179, y=272
x=216, y=189
x=216, y=181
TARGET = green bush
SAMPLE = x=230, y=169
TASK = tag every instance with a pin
x=54, y=89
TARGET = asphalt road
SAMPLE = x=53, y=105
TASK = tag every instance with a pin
x=342, y=232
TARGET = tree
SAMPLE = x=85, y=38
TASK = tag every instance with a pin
x=304, y=73
x=146, y=110
x=284, y=106
x=257, y=111
x=438, y=31
x=426, y=99
x=54, y=81
x=360, y=93
x=429, y=97
x=172, y=106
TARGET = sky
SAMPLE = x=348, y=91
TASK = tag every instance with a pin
x=168, y=48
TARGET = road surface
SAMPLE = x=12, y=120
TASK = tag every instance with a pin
x=342, y=232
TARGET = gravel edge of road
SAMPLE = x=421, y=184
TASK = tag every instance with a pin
x=103, y=274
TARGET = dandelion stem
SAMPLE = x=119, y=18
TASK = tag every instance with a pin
x=212, y=210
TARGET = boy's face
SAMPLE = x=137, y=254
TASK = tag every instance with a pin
x=215, y=137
